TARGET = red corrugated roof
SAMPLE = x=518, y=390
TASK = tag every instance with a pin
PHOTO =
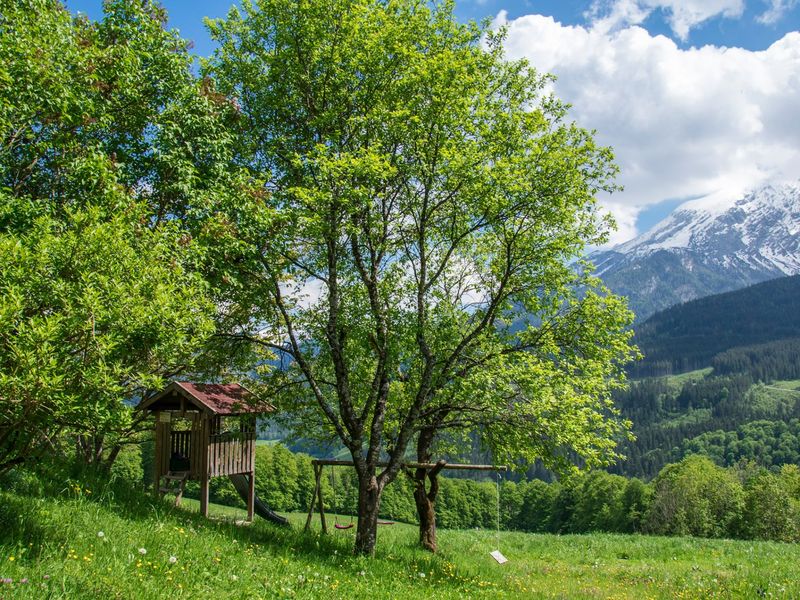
x=224, y=398
x=219, y=398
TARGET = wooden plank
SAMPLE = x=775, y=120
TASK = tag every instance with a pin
x=204, y=474
x=158, y=450
x=415, y=465
x=196, y=448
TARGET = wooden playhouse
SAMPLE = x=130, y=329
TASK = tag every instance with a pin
x=205, y=430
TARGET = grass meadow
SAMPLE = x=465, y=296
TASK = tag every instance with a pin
x=90, y=544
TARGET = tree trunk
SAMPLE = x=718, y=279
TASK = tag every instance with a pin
x=425, y=510
x=369, y=502
x=426, y=504
x=112, y=457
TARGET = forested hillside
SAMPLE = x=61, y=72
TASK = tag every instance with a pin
x=746, y=406
x=688, y=336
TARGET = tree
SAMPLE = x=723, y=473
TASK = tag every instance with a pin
x=770, y=512
x=417, y=204
x=696, y=497
x=599, y=503
x=110, y=159
x=635, y=504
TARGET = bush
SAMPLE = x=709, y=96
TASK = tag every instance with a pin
x=128, y=465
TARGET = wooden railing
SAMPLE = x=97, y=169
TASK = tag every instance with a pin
x=231, y=453
x=180, y=442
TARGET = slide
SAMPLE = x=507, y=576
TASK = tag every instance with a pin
x=242, y=484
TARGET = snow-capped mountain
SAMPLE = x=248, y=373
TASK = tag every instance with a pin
x=707, y=246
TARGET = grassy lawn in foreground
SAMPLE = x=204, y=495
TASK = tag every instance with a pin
x=55, y=544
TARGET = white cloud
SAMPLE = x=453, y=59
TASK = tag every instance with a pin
x=625, y=216
x=682, y=122
x=776, y=10
x=682, y=15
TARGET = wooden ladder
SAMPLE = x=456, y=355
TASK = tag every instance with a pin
x=175, y=484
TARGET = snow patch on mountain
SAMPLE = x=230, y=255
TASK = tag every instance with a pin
x=760, y=228
x=706, y=246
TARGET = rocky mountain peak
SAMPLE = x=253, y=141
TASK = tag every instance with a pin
x=707, y=246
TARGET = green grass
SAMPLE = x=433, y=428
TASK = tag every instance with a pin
x=691, y=417
x=789, y=384
x=55, y=546
x=676, y=382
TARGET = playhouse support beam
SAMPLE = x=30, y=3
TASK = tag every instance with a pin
x=205, y=426
x=251, y=495
x=204, y=494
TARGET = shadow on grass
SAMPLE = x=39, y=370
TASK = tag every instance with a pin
x=20, y=524
x=24, y=519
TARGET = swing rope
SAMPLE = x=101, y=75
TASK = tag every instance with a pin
x=497, y=532
x=496, y=554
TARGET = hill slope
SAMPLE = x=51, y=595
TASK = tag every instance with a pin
x=687, y=336
x=58, y=554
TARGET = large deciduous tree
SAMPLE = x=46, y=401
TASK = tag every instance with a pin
x=416, y=206
x=111, y=154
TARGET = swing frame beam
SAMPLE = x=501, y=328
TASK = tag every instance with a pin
x=319, y=463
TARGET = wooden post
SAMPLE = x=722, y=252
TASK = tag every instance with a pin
x=319, y=502
x=162, y=449
x=204, y=466
x=158, y=450
x=251, y=496
x=313, y=496
x=316, y=497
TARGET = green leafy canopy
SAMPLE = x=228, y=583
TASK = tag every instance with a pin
x=422, y=204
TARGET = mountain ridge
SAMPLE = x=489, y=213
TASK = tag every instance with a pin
x=687, y=336
x=707, y=246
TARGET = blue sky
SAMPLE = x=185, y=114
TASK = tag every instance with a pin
x=697, y=97
x=745, y=31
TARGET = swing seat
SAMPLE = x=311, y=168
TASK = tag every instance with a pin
x=343, y=526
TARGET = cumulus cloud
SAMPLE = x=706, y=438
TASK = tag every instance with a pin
x=682, y=15
x=776, y=10
x=682, y=122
